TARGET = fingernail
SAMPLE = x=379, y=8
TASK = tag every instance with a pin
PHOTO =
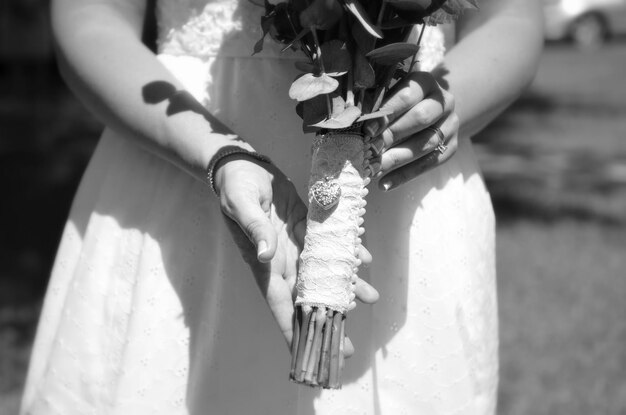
x=261, y=248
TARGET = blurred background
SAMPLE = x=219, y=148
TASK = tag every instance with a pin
x=555, y=163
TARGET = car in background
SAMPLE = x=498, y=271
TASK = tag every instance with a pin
x=587, y=23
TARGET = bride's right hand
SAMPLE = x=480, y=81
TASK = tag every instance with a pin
x=267, y=219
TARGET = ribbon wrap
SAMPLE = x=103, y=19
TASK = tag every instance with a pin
x=328, y=262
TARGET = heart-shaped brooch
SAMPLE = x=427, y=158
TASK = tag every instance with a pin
x=326, y=192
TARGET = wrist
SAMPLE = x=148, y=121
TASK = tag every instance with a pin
x=223, y=156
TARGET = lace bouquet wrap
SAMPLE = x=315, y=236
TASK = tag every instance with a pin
x=354, y=51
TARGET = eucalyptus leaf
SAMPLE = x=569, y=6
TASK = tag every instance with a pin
x=364, y=40
x=337, y=103
x=266, y=25
x=378, y=114
x=450, y=10
x=309, y=86
x=305, y=66
x=398, y=22
x=393, y=53
x=300, y=35
x=400, y=73
x=343, y=120
x=359, y=12
x=315, y=110
x=364, y=76
x=410, y=5
x=336, y=58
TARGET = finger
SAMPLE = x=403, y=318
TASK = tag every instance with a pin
x=348, y=348
x=279, y=298
x=420, y=166
x=373, y=166
x=423, y=114
x=254, y=221
x=365, y=292
x=402, y=97
x=299, y=232
x=419, y=144
x=364, y=255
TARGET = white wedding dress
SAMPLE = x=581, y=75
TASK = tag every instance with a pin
x=151, y=310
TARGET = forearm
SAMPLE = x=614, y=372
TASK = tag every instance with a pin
x=495, y=59
x=103, y=61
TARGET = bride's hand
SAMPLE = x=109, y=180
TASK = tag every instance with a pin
x=420, y=134
x=267, y=219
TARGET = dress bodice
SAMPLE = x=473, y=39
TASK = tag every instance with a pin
x=208, y=28
x=230, y=28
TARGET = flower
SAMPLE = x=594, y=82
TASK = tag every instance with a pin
x=355, y=51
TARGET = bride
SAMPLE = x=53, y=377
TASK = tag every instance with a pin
x=150, y=306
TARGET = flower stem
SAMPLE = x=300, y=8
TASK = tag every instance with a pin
x=297, y=317
x=334, y=375
x=305, y=318
x=419, y=41
x=320, y=61
x=381, y=13
x=309, y=343
x=314, y=357
x=322, y=377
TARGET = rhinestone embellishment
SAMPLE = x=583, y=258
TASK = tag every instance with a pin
x=326, y=192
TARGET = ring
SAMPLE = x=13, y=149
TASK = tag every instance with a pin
x=441, y=145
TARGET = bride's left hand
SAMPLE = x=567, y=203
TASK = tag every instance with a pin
x=259, y=198
x=406, y=143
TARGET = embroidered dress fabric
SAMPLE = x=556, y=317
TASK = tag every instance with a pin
x=151, y=310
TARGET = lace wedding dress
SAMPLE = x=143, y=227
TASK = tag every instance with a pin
x=150, y=309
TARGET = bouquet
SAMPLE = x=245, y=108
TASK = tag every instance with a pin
x=355, y=51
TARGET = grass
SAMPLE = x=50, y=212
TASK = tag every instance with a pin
x=555, y=164
x=561, y=288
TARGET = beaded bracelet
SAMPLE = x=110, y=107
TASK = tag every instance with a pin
x=227, y=152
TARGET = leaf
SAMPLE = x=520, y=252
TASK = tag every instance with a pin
x=336, y=58
x=401, y=73
x=300, y=35
x=365, y=41
x=364, y=76
x=359, y=12
x=459, y=6
x=338, y=104
x=343, y=120
x=377, y=114
x=393, y=53
x=410, y=5
x=309, y=86
x=321, y=15
x=451, y=10
x=306, y=67
x=398, y=22
x=315, y=110
x=266, y=25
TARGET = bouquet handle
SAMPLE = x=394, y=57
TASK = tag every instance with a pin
x=328, y=263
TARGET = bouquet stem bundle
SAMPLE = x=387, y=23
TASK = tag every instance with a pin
x=317, y=347
x=328, y=263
